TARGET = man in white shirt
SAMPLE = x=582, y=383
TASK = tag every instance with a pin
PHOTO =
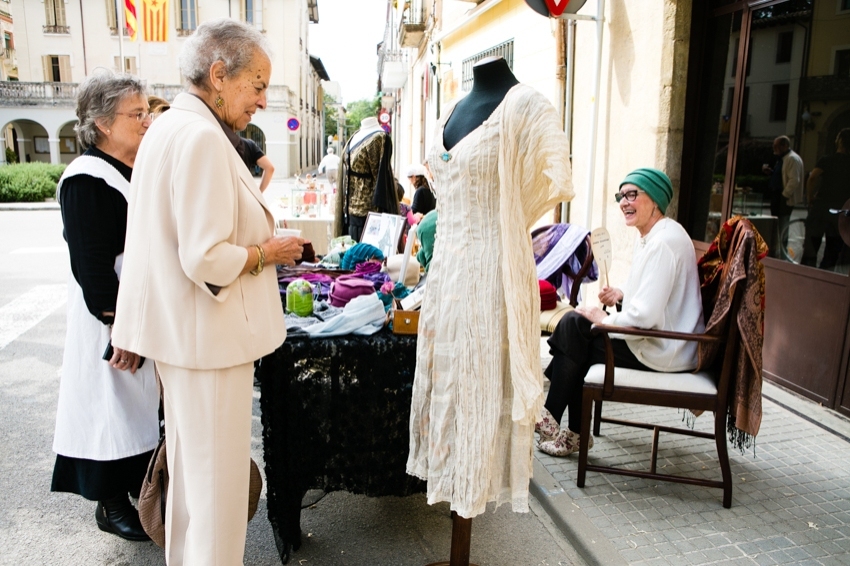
x=786, y=181
x=330, y=163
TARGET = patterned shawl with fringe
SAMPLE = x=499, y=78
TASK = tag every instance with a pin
x=733, y=258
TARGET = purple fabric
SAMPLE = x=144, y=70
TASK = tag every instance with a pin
x=346, y=287
x=559, y=251
x=543, y=242
x=367, y=267
x=319, y=281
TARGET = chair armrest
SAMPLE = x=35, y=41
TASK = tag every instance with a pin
x=632, y=331
x=605, y=329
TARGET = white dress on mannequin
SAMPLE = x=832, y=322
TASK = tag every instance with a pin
x=478, y=386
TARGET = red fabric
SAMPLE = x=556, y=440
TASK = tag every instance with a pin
x=548, y=296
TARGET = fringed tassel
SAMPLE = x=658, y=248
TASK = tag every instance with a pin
x=739, y=439
x=689, y=418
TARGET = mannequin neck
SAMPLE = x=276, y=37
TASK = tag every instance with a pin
x=492, y=79
x=369, y=123
x=492, y=74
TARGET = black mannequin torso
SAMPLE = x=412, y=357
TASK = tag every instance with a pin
x=492, y=79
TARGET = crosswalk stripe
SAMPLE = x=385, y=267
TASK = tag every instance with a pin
x=29, y=309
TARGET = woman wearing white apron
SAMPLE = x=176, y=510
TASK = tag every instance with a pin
x=106, y=422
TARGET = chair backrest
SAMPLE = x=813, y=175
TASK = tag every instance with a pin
x=728, y=270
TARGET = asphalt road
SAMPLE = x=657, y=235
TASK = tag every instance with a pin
x=38, y=527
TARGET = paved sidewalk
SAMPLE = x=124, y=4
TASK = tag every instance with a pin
x=46, y=205
x=790, y=503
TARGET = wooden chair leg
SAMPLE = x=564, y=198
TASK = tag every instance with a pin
x=586, y=408
x=723, y=456
x=597, y=416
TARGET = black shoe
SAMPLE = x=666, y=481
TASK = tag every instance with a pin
x=118, y=516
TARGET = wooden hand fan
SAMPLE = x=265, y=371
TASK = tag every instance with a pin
x=600, y=244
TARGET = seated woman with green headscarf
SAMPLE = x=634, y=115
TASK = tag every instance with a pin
x=661, y=293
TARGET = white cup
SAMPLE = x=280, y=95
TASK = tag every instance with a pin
x=287, y=232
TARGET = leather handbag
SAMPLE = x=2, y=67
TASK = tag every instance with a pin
x=154, y=492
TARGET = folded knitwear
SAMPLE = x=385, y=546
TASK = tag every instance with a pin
x=548, y=296
x=363, y=315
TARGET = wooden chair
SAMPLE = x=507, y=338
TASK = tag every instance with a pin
x=703, y=391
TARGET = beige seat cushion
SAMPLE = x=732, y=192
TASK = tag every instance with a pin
x=701, y=383
x=549, y=319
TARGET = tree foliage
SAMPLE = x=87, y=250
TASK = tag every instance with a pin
x=359, y=109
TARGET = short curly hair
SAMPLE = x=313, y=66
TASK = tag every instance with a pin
x=98, y=98
x=229, y=41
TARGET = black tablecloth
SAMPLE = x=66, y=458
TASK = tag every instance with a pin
x=335, y=414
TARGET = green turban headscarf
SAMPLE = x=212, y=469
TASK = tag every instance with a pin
x=655, y=183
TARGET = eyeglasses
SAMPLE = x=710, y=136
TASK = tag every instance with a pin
x=630, y=196
x=139, y=116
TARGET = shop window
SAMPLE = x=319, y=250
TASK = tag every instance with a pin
x=779, y=102
x=504, y=50
x=844, y=5
x=784, y=43
x=728, y=153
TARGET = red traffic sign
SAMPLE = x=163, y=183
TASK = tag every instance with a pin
x=293, y=124
x=384, y=117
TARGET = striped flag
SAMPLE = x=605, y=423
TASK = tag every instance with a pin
x=156, y=20
x=130, y=18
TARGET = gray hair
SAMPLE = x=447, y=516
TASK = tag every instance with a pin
x=98, y=98
x=229, y=41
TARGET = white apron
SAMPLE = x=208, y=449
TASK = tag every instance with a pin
x=103, y=413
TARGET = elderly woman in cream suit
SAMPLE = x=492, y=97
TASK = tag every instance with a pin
x=199, y=293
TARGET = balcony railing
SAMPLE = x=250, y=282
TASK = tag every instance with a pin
x=7, y=53
x=56, y=29
x=15, y=93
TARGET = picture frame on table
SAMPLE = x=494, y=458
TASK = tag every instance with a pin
x=383, y=231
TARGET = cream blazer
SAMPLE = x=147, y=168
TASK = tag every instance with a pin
x=193, y=207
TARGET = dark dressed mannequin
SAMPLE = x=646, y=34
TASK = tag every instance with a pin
x=492, y=79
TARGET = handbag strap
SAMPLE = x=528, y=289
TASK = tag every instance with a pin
x=161, y=405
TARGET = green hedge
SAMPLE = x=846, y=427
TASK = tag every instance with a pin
x=29, y=182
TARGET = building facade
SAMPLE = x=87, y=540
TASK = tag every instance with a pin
x=54, y=45
x=697, y=88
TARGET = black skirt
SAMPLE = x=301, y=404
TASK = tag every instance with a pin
x=98, y=480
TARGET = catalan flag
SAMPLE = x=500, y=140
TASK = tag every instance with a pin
x=156, y=20
x=130, y=18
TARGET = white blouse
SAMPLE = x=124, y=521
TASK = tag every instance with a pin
x=662, y=293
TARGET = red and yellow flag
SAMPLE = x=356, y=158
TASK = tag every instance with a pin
x=156, y=20
x=130, y=18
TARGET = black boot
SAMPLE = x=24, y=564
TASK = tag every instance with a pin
x=118, y=516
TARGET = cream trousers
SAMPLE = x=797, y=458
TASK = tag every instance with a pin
x=208, y=433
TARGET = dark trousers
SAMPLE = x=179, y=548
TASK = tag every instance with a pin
x=573, y=351
x=355, y=227
x=820, y=223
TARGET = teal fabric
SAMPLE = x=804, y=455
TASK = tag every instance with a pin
x=360, y=253
x=655, y=183
x=426, y=232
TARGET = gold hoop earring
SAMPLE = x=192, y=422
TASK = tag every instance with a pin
x=219, y=102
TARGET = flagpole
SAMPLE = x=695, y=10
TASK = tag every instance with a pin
x=118, y=14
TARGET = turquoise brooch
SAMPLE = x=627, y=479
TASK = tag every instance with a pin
x=446, y=156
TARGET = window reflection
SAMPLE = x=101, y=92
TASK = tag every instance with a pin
x=794, y=101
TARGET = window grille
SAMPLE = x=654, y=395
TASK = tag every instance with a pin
x=505, y=50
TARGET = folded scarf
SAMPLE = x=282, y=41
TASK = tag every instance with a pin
x=362, y=315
